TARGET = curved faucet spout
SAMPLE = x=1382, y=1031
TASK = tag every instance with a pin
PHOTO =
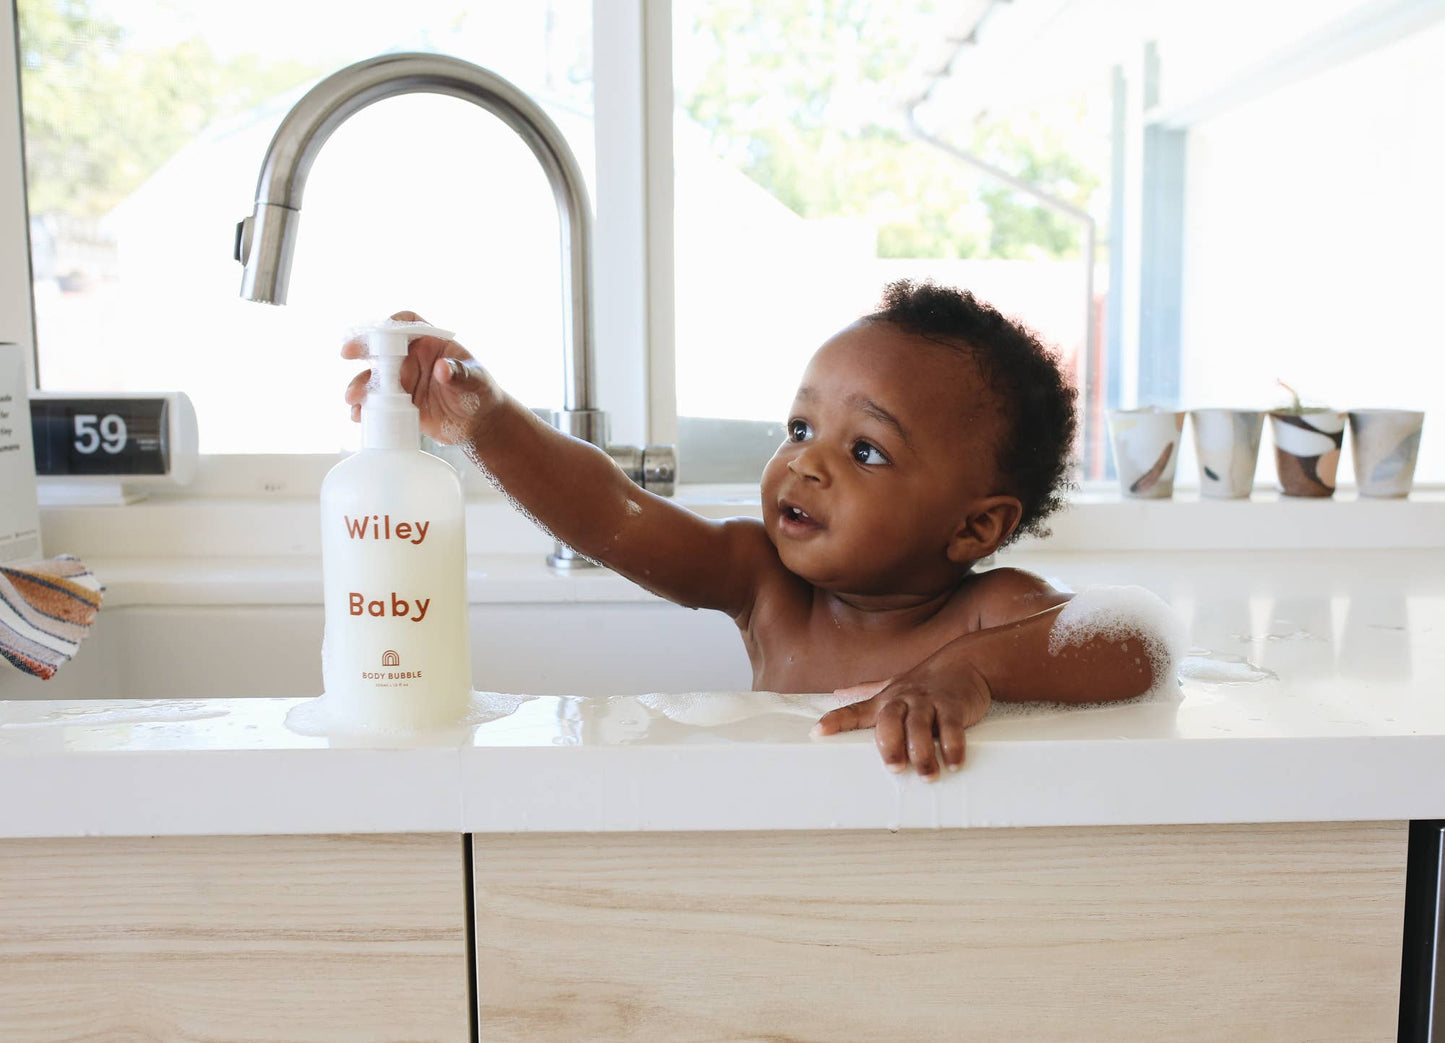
x=267, y=238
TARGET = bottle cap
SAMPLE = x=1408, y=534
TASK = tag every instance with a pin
x=391, y=336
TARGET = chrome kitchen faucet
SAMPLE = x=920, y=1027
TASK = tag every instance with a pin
x=266, y=239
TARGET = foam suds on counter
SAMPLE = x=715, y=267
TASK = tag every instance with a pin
x=1221, y=668
x=488, y=706
x=316, y=717
x=713, y=709
x=319, y=718
x=127, y=711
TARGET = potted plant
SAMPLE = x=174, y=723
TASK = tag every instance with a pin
x=1307, y=441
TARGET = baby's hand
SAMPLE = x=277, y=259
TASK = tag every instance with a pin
x=449, y=387
x=908, y=711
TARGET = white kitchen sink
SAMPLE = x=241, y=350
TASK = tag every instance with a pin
x=235, y=651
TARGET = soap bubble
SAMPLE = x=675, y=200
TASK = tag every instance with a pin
x=1122, y=614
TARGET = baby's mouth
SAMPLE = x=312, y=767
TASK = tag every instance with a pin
x=795, y=517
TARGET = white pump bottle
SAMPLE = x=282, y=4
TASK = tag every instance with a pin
x=393, y=549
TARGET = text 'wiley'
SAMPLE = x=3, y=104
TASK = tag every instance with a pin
x=379, y=527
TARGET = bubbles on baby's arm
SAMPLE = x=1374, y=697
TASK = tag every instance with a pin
x=469, y=447
x=1125, y=615
x=469, y=403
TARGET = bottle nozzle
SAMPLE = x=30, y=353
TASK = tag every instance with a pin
x=388, y=418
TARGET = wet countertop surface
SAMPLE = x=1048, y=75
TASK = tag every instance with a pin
x=1315, y=691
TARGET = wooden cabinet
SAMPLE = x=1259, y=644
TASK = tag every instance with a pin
x=1270, y=932
x=1172, y=932
x=344, y=938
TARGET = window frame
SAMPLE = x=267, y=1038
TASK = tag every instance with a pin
x=632, y=242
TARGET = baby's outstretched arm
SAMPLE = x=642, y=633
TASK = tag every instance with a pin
x=575, y=489
x=1102, y=645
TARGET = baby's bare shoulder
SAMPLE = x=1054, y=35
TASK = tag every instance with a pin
x=772, y=589
x=1005, y=595
x=753, y=550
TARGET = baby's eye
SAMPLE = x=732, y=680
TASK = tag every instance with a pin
x=799, y=431
x=867, y=453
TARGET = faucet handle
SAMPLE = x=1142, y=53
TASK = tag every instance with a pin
x=659, y=469
x=654, y=467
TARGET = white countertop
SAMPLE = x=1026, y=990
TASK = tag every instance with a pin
x=1351, y=728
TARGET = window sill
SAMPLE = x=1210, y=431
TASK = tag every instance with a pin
x=273, y=524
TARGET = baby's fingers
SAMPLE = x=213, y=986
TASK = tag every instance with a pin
x=356, y=392
x=448, y=370
x=858, y=692
x=848, y=718
x=919, y=729
x=891, y=734
x=860, y=700
x=951, y=736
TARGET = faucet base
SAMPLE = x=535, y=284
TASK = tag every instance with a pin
x=590, y=425
x=567, y=559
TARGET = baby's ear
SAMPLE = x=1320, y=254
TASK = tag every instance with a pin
x=989, y=522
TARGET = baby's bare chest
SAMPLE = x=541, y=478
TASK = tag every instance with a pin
x=801, y=652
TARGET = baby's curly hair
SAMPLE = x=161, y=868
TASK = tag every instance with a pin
x=1034, y=400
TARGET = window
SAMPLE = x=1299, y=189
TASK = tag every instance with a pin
x=1188, y=200
x=146, y=122
x=1257, y=179
x=812, y=129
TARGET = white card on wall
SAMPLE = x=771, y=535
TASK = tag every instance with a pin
x=19, y=516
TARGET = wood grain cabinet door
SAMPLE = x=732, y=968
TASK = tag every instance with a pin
x=1265, y=932
x=297, y=938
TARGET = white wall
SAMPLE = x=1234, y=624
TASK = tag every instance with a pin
x=1315, y=223
x=15, y=322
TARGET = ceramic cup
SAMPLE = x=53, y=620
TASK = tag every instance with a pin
x=1146, y=448
x=1386, y=443
x=1227, y=444
x=1307, y=450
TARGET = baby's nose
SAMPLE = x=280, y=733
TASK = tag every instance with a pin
x=806, y=464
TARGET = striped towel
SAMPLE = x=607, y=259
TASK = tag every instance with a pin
x=46, y=608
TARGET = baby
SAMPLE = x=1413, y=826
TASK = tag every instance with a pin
x=923, y=438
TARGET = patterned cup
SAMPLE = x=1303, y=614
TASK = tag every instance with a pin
x=1146, y=448
x=1227, y=444
x=1307, y=450
x=1386, y=443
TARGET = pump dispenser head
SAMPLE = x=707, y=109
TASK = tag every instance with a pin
x=389, y=420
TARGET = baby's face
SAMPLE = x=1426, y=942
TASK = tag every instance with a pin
x=890, y=438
